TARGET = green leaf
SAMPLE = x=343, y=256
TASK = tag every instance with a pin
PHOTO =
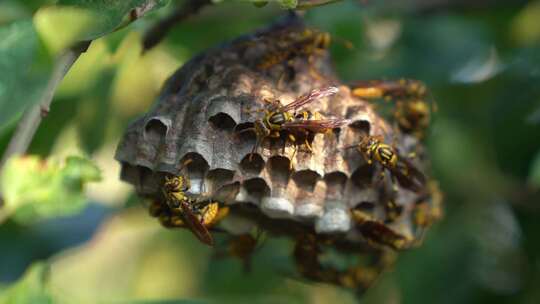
x=168, y=302
x=32, y=288
x=88, y=19
x=288, y=4
x=34, y=188
x=24, y=69
x=307, y=4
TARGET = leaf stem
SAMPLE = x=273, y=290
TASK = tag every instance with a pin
x=27, y=127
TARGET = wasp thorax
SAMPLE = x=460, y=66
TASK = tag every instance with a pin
x=278, y=118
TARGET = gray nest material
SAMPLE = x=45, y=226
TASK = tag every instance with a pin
x=213, y=96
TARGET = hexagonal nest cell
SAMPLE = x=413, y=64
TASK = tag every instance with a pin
x=330, y=196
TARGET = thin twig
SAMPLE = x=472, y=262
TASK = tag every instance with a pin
x=27, y=127
x=159, y=30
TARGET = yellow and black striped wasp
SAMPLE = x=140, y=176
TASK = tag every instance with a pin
x=373, y=149
x=376, y=231
x=290, y=44
x=285, y=46
x=282, y=120
x=413, y=108
x=183, y=210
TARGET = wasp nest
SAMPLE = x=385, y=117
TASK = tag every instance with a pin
x=357, y=187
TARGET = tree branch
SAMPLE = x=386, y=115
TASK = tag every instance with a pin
x=27, y=127
x=159, y=30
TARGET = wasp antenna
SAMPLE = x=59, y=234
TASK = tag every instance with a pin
x=246, y=130
x=254, y=150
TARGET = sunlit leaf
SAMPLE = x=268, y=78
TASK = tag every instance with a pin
x=526, y=25
x=305, y=4
x=288, y=3
x=23, y=72
x=32, y=288
x=34, y=188
x=87, y=20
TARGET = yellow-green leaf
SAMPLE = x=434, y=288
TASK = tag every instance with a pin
x=87, y=19
x=32, y=288
x=34, y=188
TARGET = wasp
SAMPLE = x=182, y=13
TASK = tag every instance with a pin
x=428, y=209
x=181, y=210
x=393, y=210
x=373, y=149
x=376, y=231
x=291, y=44
x=278, y=119
x=412, y=111
x=285, y=46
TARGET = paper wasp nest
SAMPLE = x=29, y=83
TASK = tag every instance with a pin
x=215, y=95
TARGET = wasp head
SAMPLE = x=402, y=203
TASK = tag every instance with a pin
x=174, y=184
x=367, y=143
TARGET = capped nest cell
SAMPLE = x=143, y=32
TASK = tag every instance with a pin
x=324, y=195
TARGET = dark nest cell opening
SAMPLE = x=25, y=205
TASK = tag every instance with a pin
x=252, y=164
x=306, y=179
x=155, y=130
x=194, y=163
x=363, y=176
x=361, y=126
x=245, y=132
x=257, y=187
x=219, y=177
x=280, y=169
x=223, y=121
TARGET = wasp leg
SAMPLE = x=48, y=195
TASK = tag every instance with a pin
x=292, y=139
x=306, y=257
x=258, y=142
x=306, y=142
x=295, y=149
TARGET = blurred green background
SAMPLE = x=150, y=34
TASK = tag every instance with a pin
x=481, y=60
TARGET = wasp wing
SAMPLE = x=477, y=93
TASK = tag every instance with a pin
x=409, y=176
x=193, y=223
x=309, y=97
x=380, y=233
x=315, y=126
